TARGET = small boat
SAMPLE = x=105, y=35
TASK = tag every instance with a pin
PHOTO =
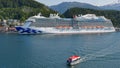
x=73, y=60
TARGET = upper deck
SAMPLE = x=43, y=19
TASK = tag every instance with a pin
x=79, y=21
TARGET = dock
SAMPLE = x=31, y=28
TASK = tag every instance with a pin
x=117, y=29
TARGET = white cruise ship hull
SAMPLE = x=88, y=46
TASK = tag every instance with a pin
x=89, y=23
x=53, y=30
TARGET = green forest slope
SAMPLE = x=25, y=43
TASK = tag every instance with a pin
x=22, y=9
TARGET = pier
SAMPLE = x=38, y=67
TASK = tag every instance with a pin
x=117, y=29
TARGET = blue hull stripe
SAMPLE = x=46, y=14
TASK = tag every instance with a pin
x=27, y=30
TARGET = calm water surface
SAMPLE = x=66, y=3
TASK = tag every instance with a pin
x=52, y=51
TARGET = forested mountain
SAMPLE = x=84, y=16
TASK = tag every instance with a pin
x=19, y=3
x=62, y=7
x=110, y=14
x=22, y=9
x=114, y=6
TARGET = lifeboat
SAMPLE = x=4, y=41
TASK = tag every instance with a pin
x=73, y=60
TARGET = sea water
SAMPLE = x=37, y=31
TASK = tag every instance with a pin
x=52, y=51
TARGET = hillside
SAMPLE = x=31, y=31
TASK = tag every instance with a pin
x=22, y=9
x=110, y=14
x=19, y=3
x=62, y=7
x=114, y=6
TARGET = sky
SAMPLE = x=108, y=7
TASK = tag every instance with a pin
x=93, y=2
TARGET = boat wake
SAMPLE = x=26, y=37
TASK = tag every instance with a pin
x=113, y=48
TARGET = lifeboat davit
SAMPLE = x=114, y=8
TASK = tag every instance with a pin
x=73, y=60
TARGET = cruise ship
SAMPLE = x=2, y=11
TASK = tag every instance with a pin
x=89, y=23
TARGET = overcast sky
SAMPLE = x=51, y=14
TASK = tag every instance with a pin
x=93, y=2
